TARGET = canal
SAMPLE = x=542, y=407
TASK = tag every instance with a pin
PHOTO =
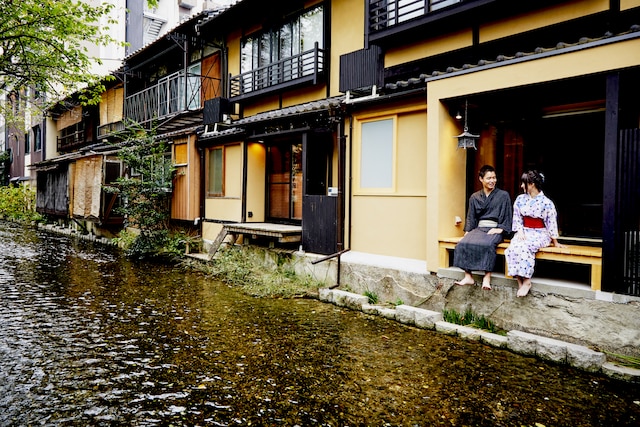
x=90, y=338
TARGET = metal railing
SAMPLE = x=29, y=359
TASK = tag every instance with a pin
x=387, y=13
x=305, y=64
x=171, y=95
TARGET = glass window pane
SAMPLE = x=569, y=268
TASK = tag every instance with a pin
x=216, y=172
x=193, y=87
x=376, y=159
x=311, y=25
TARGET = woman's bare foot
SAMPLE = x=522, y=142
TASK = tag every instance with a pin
x=525, y=288
x=486, y=284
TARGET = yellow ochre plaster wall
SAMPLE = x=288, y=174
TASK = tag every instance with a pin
x=629, y=4
x=392, y=222
x=542, y=18
x=414, y=51
x=347, y=35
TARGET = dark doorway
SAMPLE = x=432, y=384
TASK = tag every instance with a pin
x=319, y=224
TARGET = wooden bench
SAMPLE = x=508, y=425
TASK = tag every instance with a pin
x=573, y=254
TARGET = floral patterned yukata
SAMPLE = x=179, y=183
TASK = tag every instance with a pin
x=520, y=254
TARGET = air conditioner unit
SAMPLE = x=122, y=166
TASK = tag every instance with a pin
x=187, y=4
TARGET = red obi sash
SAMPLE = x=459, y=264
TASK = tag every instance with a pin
x=531, y=222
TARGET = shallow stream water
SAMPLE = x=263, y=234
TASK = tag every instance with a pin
x=89, y=338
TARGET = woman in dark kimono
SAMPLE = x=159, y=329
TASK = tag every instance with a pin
x=488, y=221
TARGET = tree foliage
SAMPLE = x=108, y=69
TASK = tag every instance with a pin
x=43, y=44
x=145, y=188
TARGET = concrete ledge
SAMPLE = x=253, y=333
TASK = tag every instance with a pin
x=349, y=300
x=493, y=340
x=585, y=358
x=621, y=372
x=522, y=342
x=388, y=313
x=517, y=341
x=469, y=333
x=419, y=317
x=446, y=328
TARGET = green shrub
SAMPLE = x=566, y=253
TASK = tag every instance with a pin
x=19, y=203
x=373, y=297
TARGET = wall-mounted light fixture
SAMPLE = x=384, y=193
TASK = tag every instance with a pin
x=467, y=139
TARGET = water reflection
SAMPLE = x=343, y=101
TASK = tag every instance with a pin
x=89, y=338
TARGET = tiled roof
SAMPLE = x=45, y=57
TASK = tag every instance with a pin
x=559, y=48
x=295, y=110
x=238, y=127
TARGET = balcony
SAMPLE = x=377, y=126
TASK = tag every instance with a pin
x=72, y=140
x=306, y=67
x=387, y=13
x=110, y=128
x=173, y=94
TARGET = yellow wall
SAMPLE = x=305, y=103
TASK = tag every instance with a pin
x=347, y=35
x=541, y=18
x=628, y=4
x=418, y=50
x=392, y=222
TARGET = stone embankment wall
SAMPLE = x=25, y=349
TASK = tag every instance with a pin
x=557, y=351
x=597, y=320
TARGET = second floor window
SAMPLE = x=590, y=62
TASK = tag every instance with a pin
x=37, y=138
x=289, y=40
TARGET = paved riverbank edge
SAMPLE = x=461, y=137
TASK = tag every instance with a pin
x=397, y=279
x=524, y=343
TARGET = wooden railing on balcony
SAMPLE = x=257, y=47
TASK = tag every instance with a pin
x=387, y=13
x=71, y=141
x=106, y=130
x=308, y=64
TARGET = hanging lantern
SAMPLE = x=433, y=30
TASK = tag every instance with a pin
x=467, y=139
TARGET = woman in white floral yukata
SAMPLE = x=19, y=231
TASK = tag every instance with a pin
x=535, y=223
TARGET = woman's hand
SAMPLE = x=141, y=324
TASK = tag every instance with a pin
x=558, y=244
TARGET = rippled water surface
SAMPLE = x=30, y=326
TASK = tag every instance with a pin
x=88, y=338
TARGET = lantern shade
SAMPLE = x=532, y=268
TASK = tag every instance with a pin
x=467, y=140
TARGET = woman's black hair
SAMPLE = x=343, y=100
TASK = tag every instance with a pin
x=533, y=177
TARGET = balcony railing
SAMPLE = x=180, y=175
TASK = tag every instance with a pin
x=71, y=141
x=308, y=64
x=106, y=130
x=172, y=95
x=387, y=13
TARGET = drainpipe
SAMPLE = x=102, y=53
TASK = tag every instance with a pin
x=350, y=177
x=202, y=185
x=341, y=182
x=245, y=152
x=185, y=66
